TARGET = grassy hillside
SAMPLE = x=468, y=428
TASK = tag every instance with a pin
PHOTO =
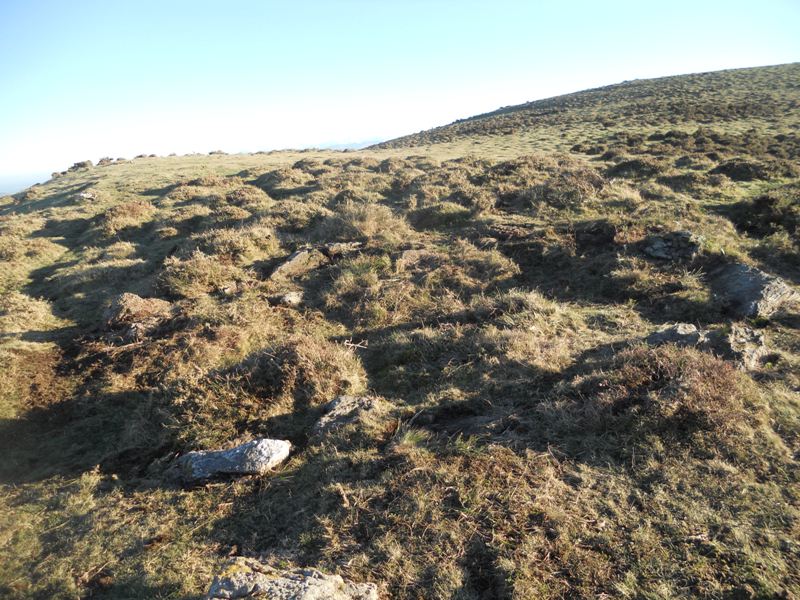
x=493, y=286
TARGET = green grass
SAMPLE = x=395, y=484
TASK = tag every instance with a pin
x=528, y=445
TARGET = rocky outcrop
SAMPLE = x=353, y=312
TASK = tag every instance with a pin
x=346, y=410
x=299, y=263
x=738, y=343
x=249, y=578
x=252, y=458
x=748, y=292
x=135, y=317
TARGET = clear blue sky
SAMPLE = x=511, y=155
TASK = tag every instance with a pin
x=88, y=79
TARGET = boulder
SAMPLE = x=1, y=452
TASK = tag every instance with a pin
x=136, y=317
x=675, y=245
x=748, y=292
x=252, y=458
x=299, y=263
x=250, y=578
x=680, y=334
x=346, y=410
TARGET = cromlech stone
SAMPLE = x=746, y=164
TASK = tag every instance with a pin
x=749, y=292
x=740, y=344
x=251, y=458
x=136, y=317
x=299, y=263
x=337, y=249
x=737, y=343
x=675, y=245
x=344, y=410
x=250, y=578
x=680, y=334
x=289, y=299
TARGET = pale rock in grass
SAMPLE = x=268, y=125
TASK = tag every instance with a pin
x=345, y=410
x=251, y=458
x=250, y=578
x=299, y=263
x=737, y=343
x=289, y=299
x=136, y=317
x=675, y=245
x=750, y=292
x=741, y=344
x=337, y=249
x=681, y=334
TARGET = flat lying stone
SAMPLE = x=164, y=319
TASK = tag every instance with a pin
x=337, y=249
x=681, y=334
x=344, y=410
x=737, y=343
x=675, y=245
x=249, y=578
x=252, y=458
x=740, y=344
x=136, y=317
x=299, y=263
x=289, y=299
x=749, y=292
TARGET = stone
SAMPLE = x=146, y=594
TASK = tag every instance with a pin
x=345, y=410
x=680, y=334
x=251, y=458
x=289, y=299
x=299, y=263
x=740, y=344
x=250, y=578
x=675, y=245
x=749, y=292
x=136, y=317
x=337, y=249
x=737, y=343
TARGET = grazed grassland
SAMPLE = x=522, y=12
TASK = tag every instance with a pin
x=535, y=446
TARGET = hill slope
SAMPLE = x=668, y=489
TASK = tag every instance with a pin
x=526, y=431
x=767, y=98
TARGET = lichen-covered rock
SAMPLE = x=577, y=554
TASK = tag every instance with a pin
x=299, y=263
x=680, y=334
x=249, y=578
x=749, y=292
x=346, y=410
x=136, y=317
x=251, y=458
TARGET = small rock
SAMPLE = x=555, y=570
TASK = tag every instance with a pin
x=344, y=410
x=680, y=334
x=749, y=292
x=137, y=317
x=87, y=196
x=249, y=578
x=252, y=458
x=657, y=248
x=299, y=263
x=289, y=299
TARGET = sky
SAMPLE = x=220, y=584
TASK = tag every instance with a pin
x=84, y=79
